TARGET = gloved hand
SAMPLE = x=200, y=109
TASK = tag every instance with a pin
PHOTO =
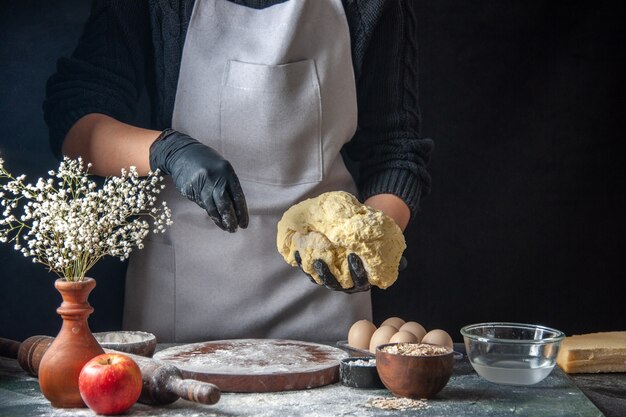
x=357, y=271
x=203, y=176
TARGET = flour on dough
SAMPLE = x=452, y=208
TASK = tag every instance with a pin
x=332, y=226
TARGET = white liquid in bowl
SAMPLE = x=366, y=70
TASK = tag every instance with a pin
x=504, y=370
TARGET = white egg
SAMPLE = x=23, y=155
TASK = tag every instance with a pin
x=403, y=337
x=381, y=336
x=415, y=328
x=396, y=322
x=360, y=334
x=438, y=337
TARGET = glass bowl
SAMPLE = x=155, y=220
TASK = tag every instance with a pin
x=512, y=353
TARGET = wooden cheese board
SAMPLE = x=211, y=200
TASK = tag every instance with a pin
x=257, y=365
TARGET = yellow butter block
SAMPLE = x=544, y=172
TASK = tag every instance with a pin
x=593, y=353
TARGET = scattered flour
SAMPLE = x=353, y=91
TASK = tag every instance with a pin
x=250, y=356
x=123, y=337
x=362, y=362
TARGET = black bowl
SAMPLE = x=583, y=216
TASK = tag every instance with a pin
x=359, y=372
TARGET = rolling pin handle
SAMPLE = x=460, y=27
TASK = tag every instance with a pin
x=9, y=348
x=196, y=391
x=162, y=383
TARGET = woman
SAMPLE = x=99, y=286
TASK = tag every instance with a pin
x=252, y=105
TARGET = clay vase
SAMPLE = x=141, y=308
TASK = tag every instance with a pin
x=74, y=346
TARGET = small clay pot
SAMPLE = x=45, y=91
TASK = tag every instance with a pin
x=414, y=376
x=73, y=347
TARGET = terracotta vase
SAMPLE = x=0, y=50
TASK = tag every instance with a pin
x=71, y=349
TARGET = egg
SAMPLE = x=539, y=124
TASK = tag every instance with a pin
x=396, y=322
x=360, y=334
x=438, y=337
x=403, y=337
x=414, y=327
x=381, y=336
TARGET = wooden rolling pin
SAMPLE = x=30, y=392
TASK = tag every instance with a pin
x=28, y=353
x=162, y=383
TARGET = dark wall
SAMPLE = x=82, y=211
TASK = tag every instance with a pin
x=525, y=101
x=33, y=35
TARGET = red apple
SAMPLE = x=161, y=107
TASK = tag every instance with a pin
x=110, y=383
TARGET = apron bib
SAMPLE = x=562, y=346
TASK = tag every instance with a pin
x=273, y=91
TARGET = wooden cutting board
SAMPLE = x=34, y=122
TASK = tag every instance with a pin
x=257, y=365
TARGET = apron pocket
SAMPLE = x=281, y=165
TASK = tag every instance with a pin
x=270, y=122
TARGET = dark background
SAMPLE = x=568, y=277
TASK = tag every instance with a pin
x=526, y=103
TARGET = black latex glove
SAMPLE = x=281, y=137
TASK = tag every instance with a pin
x=203, y=176
x=357, y=271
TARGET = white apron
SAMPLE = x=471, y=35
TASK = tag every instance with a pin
x=273, y=91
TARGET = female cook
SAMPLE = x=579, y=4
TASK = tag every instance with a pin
x=252, y=103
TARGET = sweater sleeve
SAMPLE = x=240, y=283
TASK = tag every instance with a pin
x=391, y=156
x=105, y=73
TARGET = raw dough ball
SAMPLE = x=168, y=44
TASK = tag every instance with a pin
x=360, y=334
x=332, y=226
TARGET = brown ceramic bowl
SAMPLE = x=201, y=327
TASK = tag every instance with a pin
x=135, y=342
x=414, y=376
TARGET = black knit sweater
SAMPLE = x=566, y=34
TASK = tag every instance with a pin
x=131, y=45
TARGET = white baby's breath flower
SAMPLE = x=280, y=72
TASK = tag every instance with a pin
x=70, y=224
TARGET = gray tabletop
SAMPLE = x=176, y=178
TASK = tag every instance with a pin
x=465, y=395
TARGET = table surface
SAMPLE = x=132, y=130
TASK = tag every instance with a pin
x=465, y=395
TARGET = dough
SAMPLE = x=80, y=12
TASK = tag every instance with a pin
x=332, y=226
